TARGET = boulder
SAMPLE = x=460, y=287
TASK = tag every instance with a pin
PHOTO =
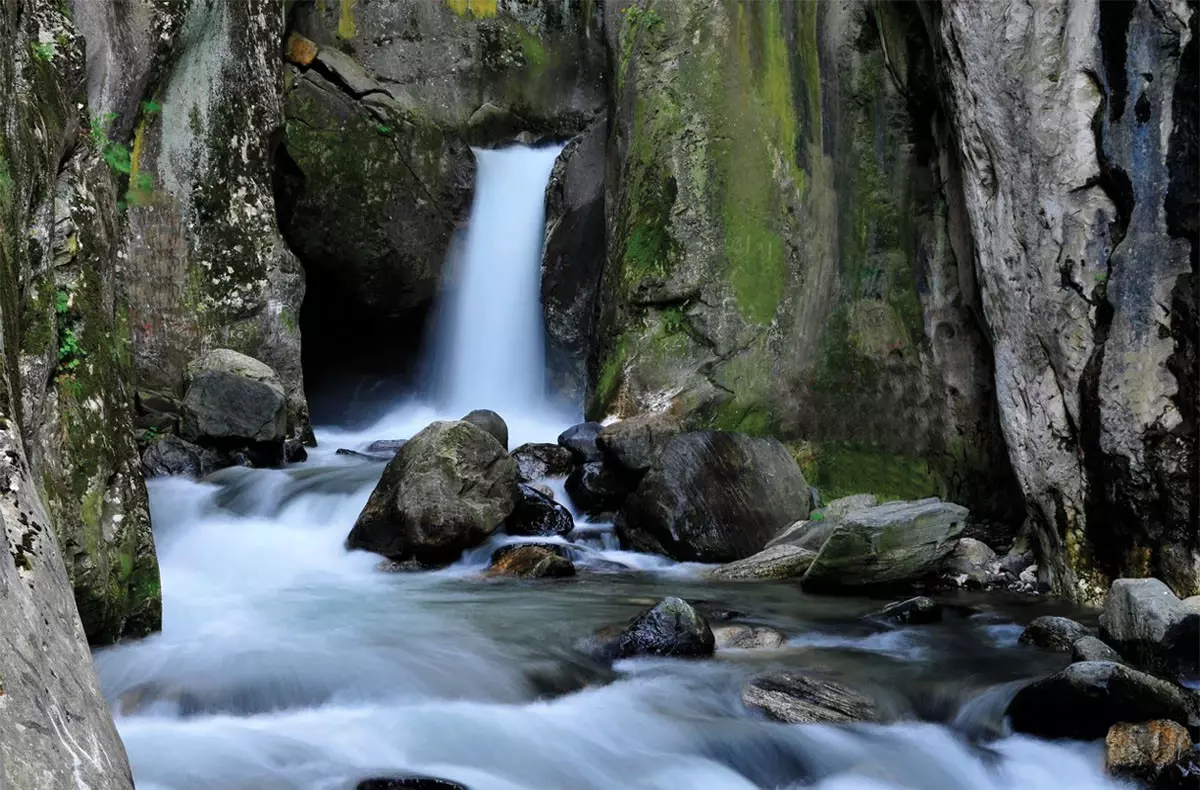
x=747, y=637
x=491, y=422
x=972, y=563
x=449, y=488
x=294, y=451
x=389, y=446
x=1144, y=620
x=539, y=461
x=914, y=611
x=793, y=698
x=233, y=400
x=672, y=628
x=1143, y=751
x=634, y=444
x=1085, y=699
x=1053, y=633
x=172, y=455
x=1089, y=648
x=785, y=561
x=837, y=509
x=534, y=513
x=597, y=487
x=714, y=496
x=531, y=561
x=887, y=544
x=580, y=440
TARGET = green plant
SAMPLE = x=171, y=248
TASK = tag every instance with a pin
x=115, y=155
x=70, y=353
x=43, y=51
x=384, y=129
x=817, y=515
x=1101, y=278
x=635, y=15
x=151, y=107
x=150, y=434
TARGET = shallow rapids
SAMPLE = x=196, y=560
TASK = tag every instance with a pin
x=286, y=662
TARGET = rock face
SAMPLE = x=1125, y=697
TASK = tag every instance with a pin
x=1144, y=750
x=1053, y=633
x=891, y=543
x=672, y=628
x=447, y=489
x=792, y=698
x=1074, y=123
x=534, y=513
x=1144, y=620
x=715, y=497
x=530, y=561
x=538, y=461
x=785, y=561
x=231, y=401
x=1084, y=700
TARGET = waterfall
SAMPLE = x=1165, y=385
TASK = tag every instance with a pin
x=489, y=350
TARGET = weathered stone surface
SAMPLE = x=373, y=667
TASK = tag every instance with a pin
x=747, y=637
x=672, y=628
x=1089, y=648
x=531, y=561
x=972, y=563
x=573, y=260
x=889, y=543
x=793, y=698
x=785, y=561
x=838, y=508
x=809, y=534
x=171, y=455
x=635, y=443
x=1068, y=157
x=1088, y=697
x=447, y=489
x=534, y=513
x=390, y=446
x=716, y=497
x=914, y=611
x=1053, y=633
x=598, y=487
x=233, y=399
x=581, y=441
x=1144, y=750
x=539, y=461
x=491, y=422
x=1144, y=620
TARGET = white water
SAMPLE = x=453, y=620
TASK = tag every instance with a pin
x=287, y=663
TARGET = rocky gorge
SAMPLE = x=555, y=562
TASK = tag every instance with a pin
x=861, y=301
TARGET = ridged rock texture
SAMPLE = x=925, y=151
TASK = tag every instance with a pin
x=69, y=487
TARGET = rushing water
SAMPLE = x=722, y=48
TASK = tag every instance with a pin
x=286, y=662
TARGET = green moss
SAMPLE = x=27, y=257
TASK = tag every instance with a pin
x=531, y=48
x=840, y=469
x=611, y=370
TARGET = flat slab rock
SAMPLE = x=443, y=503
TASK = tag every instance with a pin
x=793, y=698
x=785, y=561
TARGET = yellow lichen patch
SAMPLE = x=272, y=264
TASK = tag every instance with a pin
x=346, y=28
x=479, y=9
x=135, y=156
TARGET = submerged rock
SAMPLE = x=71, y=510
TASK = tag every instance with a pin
x=792, y=698
x=891, y=543
x=597, y=487
x=348, y=453
x=914, y=611
x=389, y=446
x=1145, y=621
x=232, y=399
x=449, y=488
x=635, y=443
x=491, y=422
x=747, y=637
x=714, y=496
x=538, y=461
x=672, y=628
x=784, y=561
x=1085, y=699
x=1145, y=750
x=409, y=783
x=1053, y=633
x=172, y=455
x=580, y=440
x=531, y=561
x=534, y=513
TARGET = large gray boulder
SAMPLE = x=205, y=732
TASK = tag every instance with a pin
x=713, y=496
x=1144, y=620
x=448, y=488
x=233, y=399
x=891, y=543
x=1085, y=699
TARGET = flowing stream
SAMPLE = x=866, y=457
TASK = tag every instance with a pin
x=287, y=662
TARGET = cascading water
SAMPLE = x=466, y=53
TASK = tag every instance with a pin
x=287, y=663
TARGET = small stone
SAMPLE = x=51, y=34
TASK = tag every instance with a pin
x=747, y=637
x=531, y=561
x=793, y=698
x=1053, y=633
x=914, y=611
x=1029, y=577
x=672, y=628
x=973, y=560
x=1144, y=750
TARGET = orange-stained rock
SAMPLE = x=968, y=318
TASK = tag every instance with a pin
x=301, y=50
x=530, y=561
x=1143, y=750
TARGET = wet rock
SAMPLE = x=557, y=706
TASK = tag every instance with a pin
x=1145, y=750
x=407, y=566
x=348, y=453
x=597, y=487
x=232, y=399
x=1089, y=648
x=409, y=783
x=747, y=637
x=1144, y=620
x=972, y=563
x=294, y=451
x=1053, y=633
x=448, y=489
x=1183, y=774
x=389, y=446
x=914, y=611
x=887, y=544
x=714, y=496
x=172, y=455
x=1028, y=580
x=838, y=508
x=635, y=443
x=531, y=561
x=672, y=628
x=793, y=698
x=1085, y=699
x=539, y=461
x=785, y=561
x=580, y=440
x=534, y=513
x=491, y=422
